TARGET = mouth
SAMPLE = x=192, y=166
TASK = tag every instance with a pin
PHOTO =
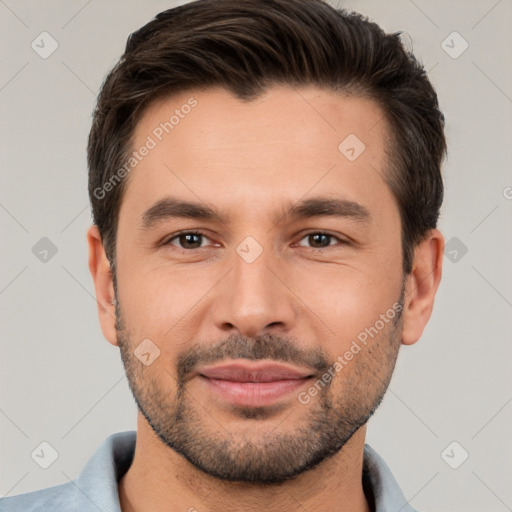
x=252, y=384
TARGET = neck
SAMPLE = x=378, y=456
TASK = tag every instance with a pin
x=160, y=479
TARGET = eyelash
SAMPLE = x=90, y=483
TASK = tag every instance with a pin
x=183, y=233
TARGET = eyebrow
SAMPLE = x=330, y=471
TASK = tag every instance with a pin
x=172, y=207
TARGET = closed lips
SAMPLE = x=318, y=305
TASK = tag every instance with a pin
x=259, y=373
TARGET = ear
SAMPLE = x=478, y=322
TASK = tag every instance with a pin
x=99, y=267
x=421, y=286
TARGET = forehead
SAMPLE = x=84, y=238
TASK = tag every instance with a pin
x=209, y=146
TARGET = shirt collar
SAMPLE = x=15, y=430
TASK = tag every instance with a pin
x=99, y=478
x=382, y=484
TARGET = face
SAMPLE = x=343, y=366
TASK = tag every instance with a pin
x=259, y=257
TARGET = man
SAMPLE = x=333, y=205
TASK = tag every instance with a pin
x=265, y=184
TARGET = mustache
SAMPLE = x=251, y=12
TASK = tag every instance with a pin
x=238, y=346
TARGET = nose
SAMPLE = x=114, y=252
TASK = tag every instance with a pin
x=254, y=297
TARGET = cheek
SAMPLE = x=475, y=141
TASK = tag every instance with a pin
x=158, y=301
x=346, y=301
x=364, y=365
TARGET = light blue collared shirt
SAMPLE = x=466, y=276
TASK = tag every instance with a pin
x=95, y=489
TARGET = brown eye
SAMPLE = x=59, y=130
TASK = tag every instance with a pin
x=189, y=240
x=320, y=240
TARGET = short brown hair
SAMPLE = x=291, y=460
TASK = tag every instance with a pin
x=247, y=46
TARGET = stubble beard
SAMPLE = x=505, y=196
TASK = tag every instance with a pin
x=278, y=454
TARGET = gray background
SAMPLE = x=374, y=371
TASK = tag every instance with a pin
x=62, y=383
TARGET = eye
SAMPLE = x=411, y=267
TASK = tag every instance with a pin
x=321, y=240
x=187, y=240
x=190, y=240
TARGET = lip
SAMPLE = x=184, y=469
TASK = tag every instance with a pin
x=253, y=372
x=253, y=384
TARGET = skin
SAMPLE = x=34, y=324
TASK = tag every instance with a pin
x=249, y=160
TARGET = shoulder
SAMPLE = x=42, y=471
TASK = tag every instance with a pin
x=94, y=489
x=60, y=497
